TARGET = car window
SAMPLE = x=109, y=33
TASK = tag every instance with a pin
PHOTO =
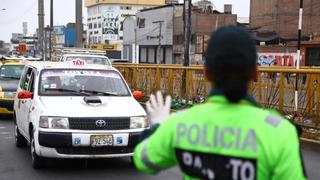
x=31, y=82
x=11, y=71
x=66, y=82
x=90, y=60
x=26, y=77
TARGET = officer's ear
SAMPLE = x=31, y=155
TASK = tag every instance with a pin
x=207, y=74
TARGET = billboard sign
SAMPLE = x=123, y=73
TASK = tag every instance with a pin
x=276, y=59
x=110, y=22
x=59, y=30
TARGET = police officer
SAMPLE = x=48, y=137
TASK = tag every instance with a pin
x=228, y=137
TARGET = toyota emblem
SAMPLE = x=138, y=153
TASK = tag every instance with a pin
x=101, y=123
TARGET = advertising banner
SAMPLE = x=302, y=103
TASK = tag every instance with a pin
x=110, y=22
x=276, y=59
x=59, y=30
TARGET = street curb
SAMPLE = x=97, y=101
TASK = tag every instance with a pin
x=310, y=140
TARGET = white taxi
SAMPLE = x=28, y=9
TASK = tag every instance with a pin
x=76, y=110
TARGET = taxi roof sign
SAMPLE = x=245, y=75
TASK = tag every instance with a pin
x=78, y=62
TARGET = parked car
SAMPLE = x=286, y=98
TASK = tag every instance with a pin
x=76, y=110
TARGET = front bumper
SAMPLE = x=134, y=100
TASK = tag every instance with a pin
x=77, y=145
x=6, y=106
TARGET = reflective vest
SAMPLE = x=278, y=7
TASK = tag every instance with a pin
x=222, y=140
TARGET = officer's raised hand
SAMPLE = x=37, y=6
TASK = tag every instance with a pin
x=157, y=109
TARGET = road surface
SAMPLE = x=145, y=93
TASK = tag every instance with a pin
x=16, y=164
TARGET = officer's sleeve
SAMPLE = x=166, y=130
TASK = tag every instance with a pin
x=156, y=152
x=289, y=163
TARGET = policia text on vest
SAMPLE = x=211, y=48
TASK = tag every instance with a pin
x=241, y=142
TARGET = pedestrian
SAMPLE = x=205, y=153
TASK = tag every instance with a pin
x=228, y=137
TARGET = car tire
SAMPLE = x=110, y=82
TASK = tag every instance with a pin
x=37, y=161
x=20, y=141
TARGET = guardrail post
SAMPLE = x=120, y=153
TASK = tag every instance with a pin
x=134, y=77
x=317, y=90
x=158, y=78
x=171, y=81
x=281, y=92
x=187, y=83
x=309, y=97
x=259, y=88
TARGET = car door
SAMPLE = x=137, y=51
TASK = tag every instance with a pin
x=18, y=110
x=26, y=106
x=21, y=112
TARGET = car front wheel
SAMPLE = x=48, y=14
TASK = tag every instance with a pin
x=37, y=161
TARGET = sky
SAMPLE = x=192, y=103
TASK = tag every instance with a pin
x=14, y=12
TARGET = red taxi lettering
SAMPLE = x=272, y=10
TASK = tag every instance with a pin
x=78, y=62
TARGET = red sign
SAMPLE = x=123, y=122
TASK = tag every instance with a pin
x=22, y=48
x=78, y=62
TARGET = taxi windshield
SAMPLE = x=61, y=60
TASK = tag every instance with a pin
x=11, y=71
x=79, y=82
x=90, y=60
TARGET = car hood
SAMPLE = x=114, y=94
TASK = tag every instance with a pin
x=9, y=84
x=77, y=107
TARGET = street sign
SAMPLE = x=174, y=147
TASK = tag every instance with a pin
x=22, y=48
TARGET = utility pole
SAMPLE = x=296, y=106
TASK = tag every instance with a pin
x=51, y=30
x=159, y=42
x=79, y=25
x=187, y=36
x=41, y=26
x=298, y=54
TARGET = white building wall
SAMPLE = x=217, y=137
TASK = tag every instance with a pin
x=95, y=13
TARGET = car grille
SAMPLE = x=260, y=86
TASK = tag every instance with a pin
x=94, y=151
x=115, y=123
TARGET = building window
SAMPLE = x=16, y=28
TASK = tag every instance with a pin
x=141, y=23
x=95, y=26
x=91, y=33
x=99, y=17
x=121, y=37
x=90, y=25
x=99, y=25
x=125, y=7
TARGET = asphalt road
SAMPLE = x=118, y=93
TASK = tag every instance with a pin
x=15, y=164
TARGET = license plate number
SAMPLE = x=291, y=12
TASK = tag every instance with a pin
x=101, y=140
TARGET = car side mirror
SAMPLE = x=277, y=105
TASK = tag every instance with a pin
x=137, y=95
x=25, y=95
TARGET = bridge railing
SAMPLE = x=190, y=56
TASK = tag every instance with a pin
x=274, y=87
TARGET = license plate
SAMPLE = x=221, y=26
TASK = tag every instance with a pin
x=101, y=140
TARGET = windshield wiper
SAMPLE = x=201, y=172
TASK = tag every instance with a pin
x=103, y=93
x=68, y=90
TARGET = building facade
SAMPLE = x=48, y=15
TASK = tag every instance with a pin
x=160, y=34
x=279, y=18
x=105, y=22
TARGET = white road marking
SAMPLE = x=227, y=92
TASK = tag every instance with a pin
x=5, y=133
x=1, y=127
x=9, y=137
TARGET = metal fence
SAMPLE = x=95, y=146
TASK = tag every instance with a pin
x=274, y=87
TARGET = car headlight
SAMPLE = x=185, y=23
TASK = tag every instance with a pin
x=9, y=94
x=54, y=122
x=138, y=122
